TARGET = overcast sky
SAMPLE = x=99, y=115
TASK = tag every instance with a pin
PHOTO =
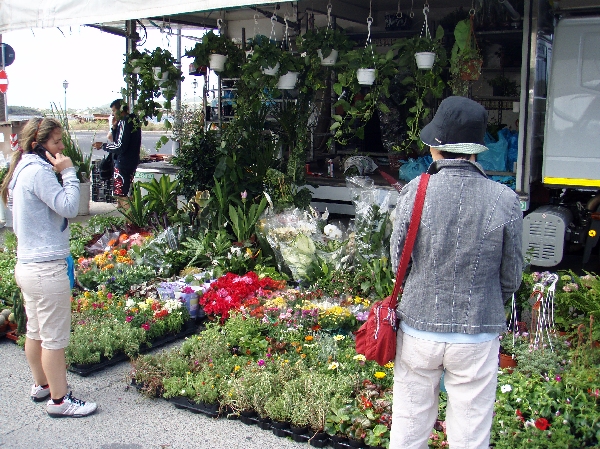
x=90, y=60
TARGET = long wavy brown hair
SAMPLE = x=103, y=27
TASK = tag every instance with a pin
x=35, y=130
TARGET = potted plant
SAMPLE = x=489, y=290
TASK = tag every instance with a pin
x=466, y=59
x=426, y=48
x=289, y=67
x=503, y=87
x=266, y=55
x=355, y=106
x=420, y=88
x=219, y=53
x=326, y=44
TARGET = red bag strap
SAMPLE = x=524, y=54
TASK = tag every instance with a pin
x=411, y=236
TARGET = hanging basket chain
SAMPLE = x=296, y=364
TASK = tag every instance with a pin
x=273, y=21
x=412, y=13
x=329, y=7
x=399, y=12
x=425, y=30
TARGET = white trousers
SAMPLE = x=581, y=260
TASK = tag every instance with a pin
x=470, y=381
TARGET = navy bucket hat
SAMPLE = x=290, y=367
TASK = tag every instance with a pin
x=458, y=126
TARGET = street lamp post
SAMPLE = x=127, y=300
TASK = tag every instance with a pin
x=195, y=83
x=65, y=85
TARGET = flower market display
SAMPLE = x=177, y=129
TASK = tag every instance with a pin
x=267, y=300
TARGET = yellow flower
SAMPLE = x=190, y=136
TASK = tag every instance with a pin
x=149, y=301
x=338, y=337
x=236, y=368
x=333, y=365
x=360, y=358
x=389, y=365
x=379, y=374
x=87, y=294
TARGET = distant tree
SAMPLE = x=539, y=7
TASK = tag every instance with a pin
x=23, y=110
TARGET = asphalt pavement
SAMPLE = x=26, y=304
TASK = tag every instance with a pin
x=124, y=420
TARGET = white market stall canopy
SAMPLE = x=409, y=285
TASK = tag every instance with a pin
x=19, y=14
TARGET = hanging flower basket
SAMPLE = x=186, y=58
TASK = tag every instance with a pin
x=330, y=60
x=470, y=69
x=425, y=60
x=365, y=77
x=217, y=62
x=271, y=71
x=159, y=75
x=287, y=81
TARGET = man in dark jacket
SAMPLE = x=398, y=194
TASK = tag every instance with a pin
x=125, y=147
x=466, y=264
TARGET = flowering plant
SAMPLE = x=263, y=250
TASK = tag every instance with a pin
x=115, y=269
x=227, y=292
x=551, y=411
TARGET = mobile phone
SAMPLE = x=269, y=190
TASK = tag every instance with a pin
x=41, y=152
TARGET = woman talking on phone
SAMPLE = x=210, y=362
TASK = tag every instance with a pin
x=40, y=207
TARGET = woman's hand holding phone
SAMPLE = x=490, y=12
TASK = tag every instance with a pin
x=59, y=161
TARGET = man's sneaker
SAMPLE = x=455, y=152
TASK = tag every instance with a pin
x=39, y=393
x=70, y=406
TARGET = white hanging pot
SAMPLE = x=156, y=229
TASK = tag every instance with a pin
x=425, y=59
x=84, y=198
x=366, y=77
x=287, y=81
x=329, y=60
x=136, y=70
x=271, y=71
x=217, y=62
x=159, y=75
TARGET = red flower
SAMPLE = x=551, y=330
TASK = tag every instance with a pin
x=146, y=326
x=520, y=415
x=542, y=423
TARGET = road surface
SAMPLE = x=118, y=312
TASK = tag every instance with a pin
x=149, y=139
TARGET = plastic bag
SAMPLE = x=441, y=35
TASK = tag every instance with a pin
x=414, y=168
x=371, y=225
x=362, y=164
x=512, y=137
x=495, y=158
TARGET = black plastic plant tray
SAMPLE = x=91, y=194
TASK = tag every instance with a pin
x=183, y=402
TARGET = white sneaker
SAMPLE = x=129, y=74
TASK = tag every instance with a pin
x=39, y=393
x=70, y=406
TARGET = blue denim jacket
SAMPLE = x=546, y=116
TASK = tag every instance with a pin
x=467, y=258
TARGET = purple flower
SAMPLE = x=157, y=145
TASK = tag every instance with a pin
x=129, y=318
x=558, y=378
x=244, y=195
x=261, y=362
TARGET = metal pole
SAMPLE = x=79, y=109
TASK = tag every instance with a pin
x=3, y=103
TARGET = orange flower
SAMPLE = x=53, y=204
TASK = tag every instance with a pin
x=123, y=237
x=123, y=252
x=112, y=242
x=308, y=338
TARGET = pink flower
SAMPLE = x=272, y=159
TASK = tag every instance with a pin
x=109, y=295
x=244, y=195
x=146, y=326
x=128, y=318
x=261, y=362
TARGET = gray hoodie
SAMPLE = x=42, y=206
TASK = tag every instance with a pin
x=39, y=206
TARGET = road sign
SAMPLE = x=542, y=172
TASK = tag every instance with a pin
x=9, y=54
x=3, y=82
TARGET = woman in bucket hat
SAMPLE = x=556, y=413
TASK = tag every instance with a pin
x=466, y=263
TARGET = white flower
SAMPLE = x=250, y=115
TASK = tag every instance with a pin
x=519, y=400
x=333, y=365
x=505, y=388
x=359, y=357
x=129, y=303
x=338, y=337
x=333, y=232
